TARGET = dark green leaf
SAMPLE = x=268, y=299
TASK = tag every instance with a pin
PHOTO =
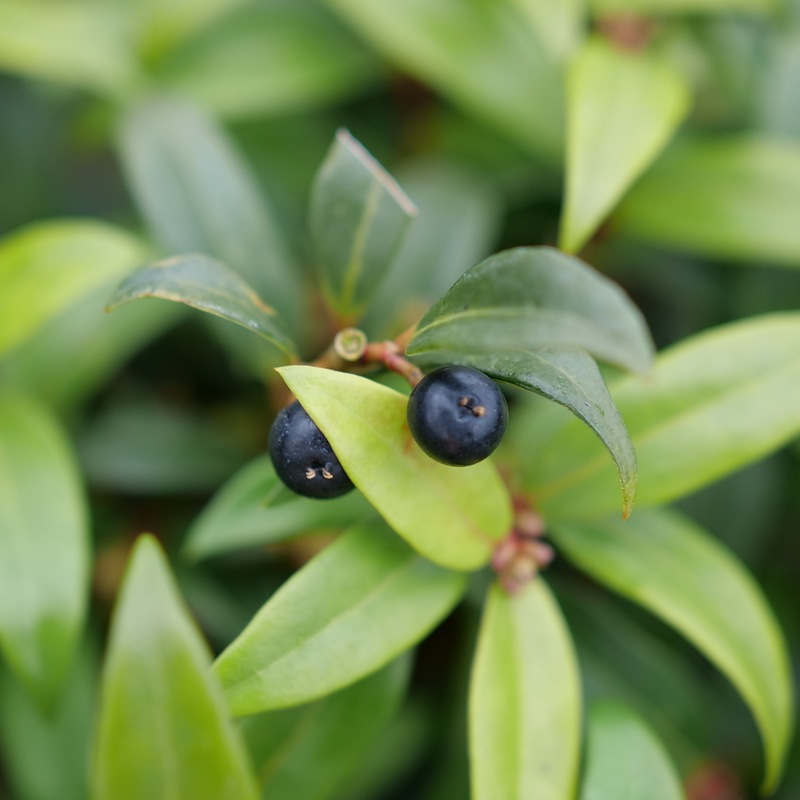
x=536, y=298
x=204, y=283
x=524, y=701
x=625, y=760
x=456, y=516
x=714, y=403
x=197, y=196
x=573, y=380
x=353, y=608
x=49, y=265
x=358, y=218
x=163, y=730
x=735, y=198
x=255, y=508
x=622, y=109
x=312, y=751
x=671, y=566
x=44, y=548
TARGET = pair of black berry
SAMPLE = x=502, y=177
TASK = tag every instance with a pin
x=456, y=415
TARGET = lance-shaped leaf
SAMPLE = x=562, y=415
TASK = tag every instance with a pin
x=622, y=109
x=452, y=516
x=735, y=198
x=536, y=298
x=353, y=608
x=573, y=380
x=255, y=508
x=44, y=548
x=524, y=700
x=625, y=760
x=358, y=218
x=49, y=265
x=202, y=282
x=672, y=567
x=312, y=751
x=163, y=729
x=714, y=403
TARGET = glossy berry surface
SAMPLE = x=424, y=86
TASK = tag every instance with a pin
x=457, y=415
x=303, y=458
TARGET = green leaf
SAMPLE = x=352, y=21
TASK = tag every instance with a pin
x=255, y=508
x=79, y=43
x=559, y=26
x=714, y=403
x=48, y=265
x=271, y=58
x=622, y=109
x=679, y=6
x=452, y=516
x=313, y=751
x=524, y=700
x=197, y=195
x=536, y=298
x=663, y=561
x=163, y=730
x=44, y=548
x=358, y=218
x=75, y=352
x=573, y=380
x=735, y=198
x=202, y=282
x=480, y=55
x=625, y=759
x=353, y=608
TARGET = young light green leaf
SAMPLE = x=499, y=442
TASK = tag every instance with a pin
x=358, y=218
x=573, y=380
x=353, y=608
x=524, y=700
x=48, y=265
x=672, y=567
x=202, y=282
x=734, y=198
x=254, y=508
x=163, y=730
x=625, y=760
x=271, y=58
x=679, y=6
x=536, y=298
x=558, y=25
x=197, y=196
x=312, y=751
x=44, y=548
x=622, y=109
x=714, y=403
x=452, y=516
x=480, y=55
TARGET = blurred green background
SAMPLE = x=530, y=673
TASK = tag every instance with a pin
x=464, y=102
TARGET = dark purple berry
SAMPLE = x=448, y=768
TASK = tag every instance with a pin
x=303, y=458
x=457, y=415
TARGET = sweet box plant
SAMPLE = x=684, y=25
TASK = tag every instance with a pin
x=497, y=575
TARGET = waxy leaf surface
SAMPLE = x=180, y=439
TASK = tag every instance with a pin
x=204, y=283
x=163, y=729
x=358, y=218
x=314, y=751
x=44, y=548
x=536, y=298
x=714, y=403
x=625, y=760
x=622, y=109
x=453, y=516
x=668, y=564
x=524, y=700
x=349, y=611
x=254, y=508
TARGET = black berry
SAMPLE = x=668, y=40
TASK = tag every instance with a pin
x=457, y=415
x=303, y=458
